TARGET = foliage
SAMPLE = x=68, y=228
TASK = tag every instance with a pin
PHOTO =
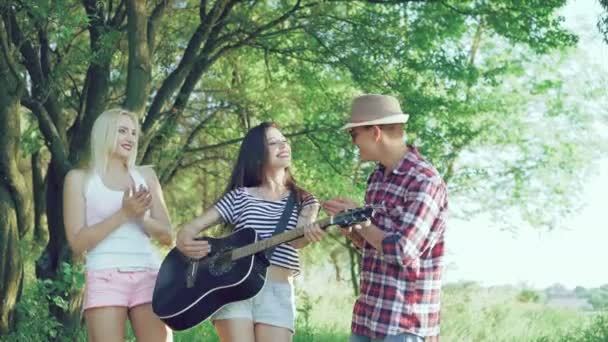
x=597, y=297
x=528, y=296
x=470, y=312
x=34, y=319
x=602, y=23
x=200, y=73
x=596, y=331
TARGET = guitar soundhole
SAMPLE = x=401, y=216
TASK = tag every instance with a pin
x=220, y=264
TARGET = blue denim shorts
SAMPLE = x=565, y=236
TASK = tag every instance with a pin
x=274, y=305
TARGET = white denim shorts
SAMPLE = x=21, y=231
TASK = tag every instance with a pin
x=274, y=305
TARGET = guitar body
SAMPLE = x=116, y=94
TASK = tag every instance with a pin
x=218, y=281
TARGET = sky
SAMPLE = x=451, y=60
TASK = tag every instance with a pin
x=479, y=251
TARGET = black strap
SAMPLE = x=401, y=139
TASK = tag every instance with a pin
x=282, y=224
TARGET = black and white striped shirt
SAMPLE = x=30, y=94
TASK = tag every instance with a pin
x=241, y=209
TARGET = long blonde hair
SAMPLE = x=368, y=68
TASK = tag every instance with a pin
x=104, y=137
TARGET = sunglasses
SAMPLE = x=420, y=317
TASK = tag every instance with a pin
x=353, y=133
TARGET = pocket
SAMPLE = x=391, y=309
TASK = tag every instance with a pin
x=100, y=275
x=283, y=293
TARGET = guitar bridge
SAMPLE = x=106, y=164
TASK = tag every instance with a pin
x=191, y=274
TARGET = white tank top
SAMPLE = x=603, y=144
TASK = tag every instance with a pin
x=126, y=247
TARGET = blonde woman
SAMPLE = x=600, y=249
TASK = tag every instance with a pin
x=112, y=210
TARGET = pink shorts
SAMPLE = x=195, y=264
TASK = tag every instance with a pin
x=114, y=287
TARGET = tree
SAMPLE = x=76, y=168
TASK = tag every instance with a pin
x=602, y=23
x=15, y=204
x=200, y=73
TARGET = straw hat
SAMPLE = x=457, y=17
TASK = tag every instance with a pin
x=373, y=109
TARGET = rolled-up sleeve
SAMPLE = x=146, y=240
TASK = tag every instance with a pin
x=310, y=201
x=415, y=219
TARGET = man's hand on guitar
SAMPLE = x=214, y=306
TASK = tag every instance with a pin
x=354, y=236
x=190, y=247
x=338, y=204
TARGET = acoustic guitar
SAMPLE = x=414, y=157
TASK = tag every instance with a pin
x=188, y=291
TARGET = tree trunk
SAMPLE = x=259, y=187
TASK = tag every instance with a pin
x=57, y=252
x=15, y=213
x=41, y=233
x=11, y=266
x=138, y=75
x=355, y=264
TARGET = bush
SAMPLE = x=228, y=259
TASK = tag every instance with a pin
x=596, y=331
x=528, y=296
x=34, y=322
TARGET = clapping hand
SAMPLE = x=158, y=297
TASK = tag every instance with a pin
x=136, y=202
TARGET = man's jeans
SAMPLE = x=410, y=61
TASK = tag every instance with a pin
x=405, y=337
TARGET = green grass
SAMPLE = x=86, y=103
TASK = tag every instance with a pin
x=469, y=313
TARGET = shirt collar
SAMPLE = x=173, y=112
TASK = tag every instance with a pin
x=407, y=162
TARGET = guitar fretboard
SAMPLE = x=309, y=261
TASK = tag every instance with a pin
x=275, y=240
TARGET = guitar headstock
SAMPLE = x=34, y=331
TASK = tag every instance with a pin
x=351, y=216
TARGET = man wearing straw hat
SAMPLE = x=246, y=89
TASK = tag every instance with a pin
x=402, y=244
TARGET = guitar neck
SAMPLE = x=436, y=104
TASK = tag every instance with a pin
x=275, y=240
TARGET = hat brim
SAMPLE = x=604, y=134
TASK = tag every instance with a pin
x=393, y=119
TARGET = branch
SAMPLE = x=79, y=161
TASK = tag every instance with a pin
x=457, y=10
x=177, y=76
x=31, y=59
x=45, y=62
x=326, y=157
x=184, y=166
x=237, y=140
x=51, y=135
x=254, y=34
x=41, y=87
x=120, y=15
x=155, y=17
x=173, y=168
x=290, y=53
x=96, y=89
x=138, y=72
x=158, y=141
x=78, y=94
x=394, y=2
x=9, y=60
x=68, y=47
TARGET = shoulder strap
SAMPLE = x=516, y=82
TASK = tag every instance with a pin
x=138, y=178
x=282, y=224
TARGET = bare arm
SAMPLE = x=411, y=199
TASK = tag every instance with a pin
x=312, y=233
x=421, y=208
x=186, y=242
x=158, y=224
x=372, y=234
x=80, y=236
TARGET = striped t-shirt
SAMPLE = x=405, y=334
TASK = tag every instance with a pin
x=241, y=209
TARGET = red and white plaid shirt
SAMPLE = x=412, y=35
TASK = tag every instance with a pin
x=400, y=286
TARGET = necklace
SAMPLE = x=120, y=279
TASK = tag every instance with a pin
x=270, y=195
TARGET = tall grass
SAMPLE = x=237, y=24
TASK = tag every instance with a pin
x=324, y=308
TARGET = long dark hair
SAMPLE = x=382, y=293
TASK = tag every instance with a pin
x=248, y=171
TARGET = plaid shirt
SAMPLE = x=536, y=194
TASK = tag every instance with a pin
x=400, y=286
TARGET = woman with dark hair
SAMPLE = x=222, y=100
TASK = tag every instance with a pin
x=259, y=188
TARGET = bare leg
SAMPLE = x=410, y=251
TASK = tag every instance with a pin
x=106, y=323
x=235, y=330
x=271, y=333
x=147, y=326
